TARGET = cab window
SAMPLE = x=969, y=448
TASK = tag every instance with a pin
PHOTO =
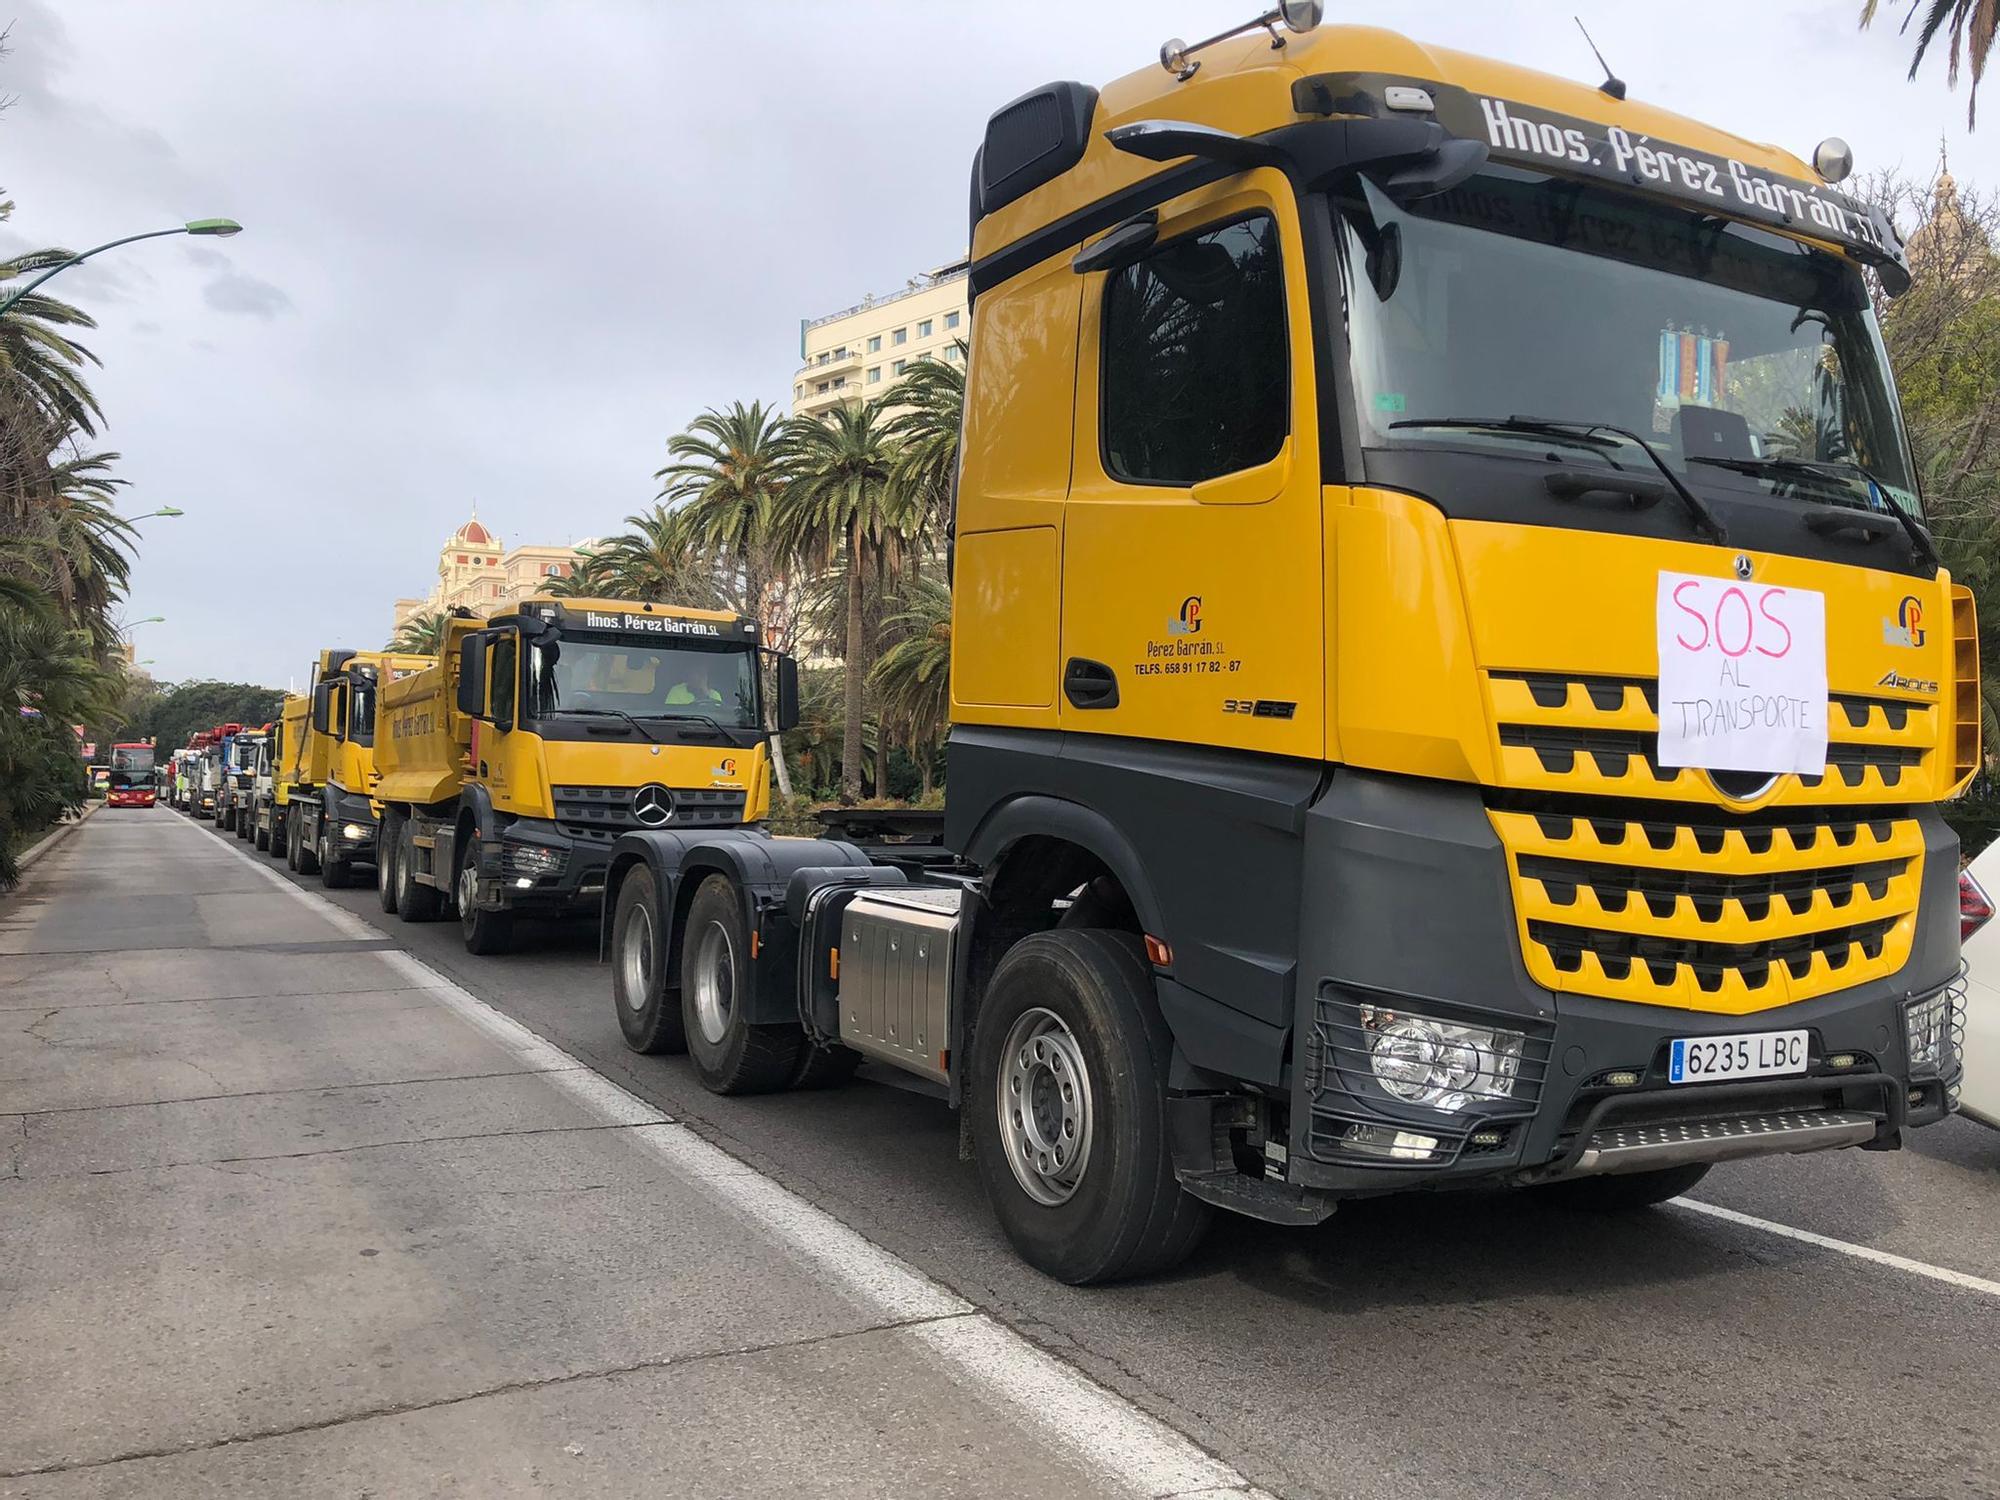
x=503, y=680
x=1194, y=366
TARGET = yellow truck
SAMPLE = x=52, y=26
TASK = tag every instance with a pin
x=508, y=768
x=324, y=784
x=1451, y=680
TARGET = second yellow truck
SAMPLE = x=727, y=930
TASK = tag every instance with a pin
x=509, y=767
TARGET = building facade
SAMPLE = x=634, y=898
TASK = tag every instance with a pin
x=860, y=352
x=475, y=571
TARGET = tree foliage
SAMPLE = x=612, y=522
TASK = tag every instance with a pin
x=1969, y=26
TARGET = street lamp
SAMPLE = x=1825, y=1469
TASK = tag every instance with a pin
x=164, y=510
x=149, y=620
x=221, y=228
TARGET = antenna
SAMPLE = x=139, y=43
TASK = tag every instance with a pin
x=1613, y=84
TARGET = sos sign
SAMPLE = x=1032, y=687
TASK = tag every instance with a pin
x=1742, y=675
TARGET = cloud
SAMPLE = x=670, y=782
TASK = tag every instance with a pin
x=240, y=292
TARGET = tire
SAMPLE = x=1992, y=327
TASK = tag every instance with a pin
x=280, y=845
x=485, y=932
x=386, y=848
x=336, y=872
x=1622, y=1192
x=824, y=1067
x=730, y=1056
x=260, y=837
x=649, y=1013
x=308, y=853
x=1076, y=1008
x=414, y=903
x=291, y=849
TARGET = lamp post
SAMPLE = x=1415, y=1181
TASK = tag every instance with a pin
x=149, y=620
x=164, y=510
x=221, y=228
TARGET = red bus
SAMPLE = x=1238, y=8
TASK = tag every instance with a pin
x=132, y=775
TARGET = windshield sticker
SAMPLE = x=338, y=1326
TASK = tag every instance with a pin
x=1610, y=152
x=1742, y=675
x=651, y=624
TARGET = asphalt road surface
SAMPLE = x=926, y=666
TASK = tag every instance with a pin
x=1833, y=1331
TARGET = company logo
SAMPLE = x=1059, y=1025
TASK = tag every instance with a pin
x=723, y=768
x=1907, y=629
x=1188, y=622
x=652, y=804
x=1907, y=684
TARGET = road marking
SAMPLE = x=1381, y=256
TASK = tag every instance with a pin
x=1845, y=1247
x=1089, y=1421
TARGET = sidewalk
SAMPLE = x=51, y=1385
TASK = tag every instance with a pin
x=283, y=1212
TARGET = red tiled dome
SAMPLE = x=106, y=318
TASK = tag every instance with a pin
x=474, y=533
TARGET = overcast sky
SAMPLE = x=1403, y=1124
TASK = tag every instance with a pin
x=497, y=252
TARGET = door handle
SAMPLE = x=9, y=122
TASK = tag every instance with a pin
x=1089, y=684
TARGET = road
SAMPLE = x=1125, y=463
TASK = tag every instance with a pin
x=1470, y=1344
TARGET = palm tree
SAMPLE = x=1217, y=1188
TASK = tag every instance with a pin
x=838, y=512
x=930, y=403
x=420, y=635
x=913, y=678
x=592, y=577
x=39, y=364
x=1971, y=25
x=721, y=487
x=652, y=561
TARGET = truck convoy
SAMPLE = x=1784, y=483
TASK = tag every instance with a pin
x=1450, y=680
x=326, y=778
x=508, y=768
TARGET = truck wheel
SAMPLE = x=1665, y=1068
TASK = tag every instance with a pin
x=280, y=845
x=730, y=1056
x=1622, y=1192
x=386, y=848
x=260, y=837
x=244, y=824
x=335, y=872
x=414, y=903
x=308, y=848
x=485, y=932
x=649, y=1014
x=1069, y=1073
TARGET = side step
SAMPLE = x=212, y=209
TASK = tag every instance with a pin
x=1258, y=1198
x=1674, y=1143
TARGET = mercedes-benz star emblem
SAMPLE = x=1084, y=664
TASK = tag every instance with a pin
x=652, y=804
x=1742, y=565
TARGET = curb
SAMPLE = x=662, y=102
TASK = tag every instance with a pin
x=61, y=831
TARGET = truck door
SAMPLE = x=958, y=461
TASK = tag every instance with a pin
x=1192, y=580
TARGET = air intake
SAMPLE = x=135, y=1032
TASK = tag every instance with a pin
x=1038, y=137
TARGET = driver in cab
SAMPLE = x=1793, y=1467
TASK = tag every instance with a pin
x=698, y=688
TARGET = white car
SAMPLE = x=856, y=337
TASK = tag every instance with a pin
x=1979, y=1095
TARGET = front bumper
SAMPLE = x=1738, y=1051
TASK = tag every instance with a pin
x=534, y=867
x=1422, y=925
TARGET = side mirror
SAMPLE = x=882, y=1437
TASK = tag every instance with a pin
x=472, y=676
x=322, y=704
x=788, y=693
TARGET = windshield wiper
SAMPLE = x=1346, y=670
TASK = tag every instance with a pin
x=1705, y=520
x=608, y=713
x=1921, y=546
x=714, y=724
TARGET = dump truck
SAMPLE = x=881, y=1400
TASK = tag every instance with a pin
x=328, y=772
x=542, y=733
x=238, y=757
x=253, y=747
x=1451, y=680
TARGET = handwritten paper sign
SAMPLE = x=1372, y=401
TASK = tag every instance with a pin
x=1742, y=675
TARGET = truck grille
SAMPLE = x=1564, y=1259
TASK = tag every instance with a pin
x=601, y=813
x=1635, y=894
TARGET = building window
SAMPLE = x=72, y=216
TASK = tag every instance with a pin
x=924, y=329
x=875, y=344
x=1194, y=363
x=899, y=366
x=874, y=374
x=952, y=354
x=821, y=388
x=839, y=381
x=900, y=336
x=841, y=352
x=553, y=570
x=950, y=321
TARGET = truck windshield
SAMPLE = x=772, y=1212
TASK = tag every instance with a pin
x=612, y=675
x=1733, y=351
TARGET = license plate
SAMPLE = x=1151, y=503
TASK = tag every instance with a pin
x=1756, y=1054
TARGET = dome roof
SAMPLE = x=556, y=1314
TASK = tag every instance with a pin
x=475, y=534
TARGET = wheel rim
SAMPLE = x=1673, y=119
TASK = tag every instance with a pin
x=636, y=957
x=715, y=982
x=402, y=858
x=468, y=886
x=1043, y=1102
x=385, y=874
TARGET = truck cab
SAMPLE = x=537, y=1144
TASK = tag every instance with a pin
x=542, y=734
x=1451, y=683
x=333, y=824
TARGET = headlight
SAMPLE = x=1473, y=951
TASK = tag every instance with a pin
x=1930, y=1033
x=355, y=831
x=533, y=859
x=1440, y=1064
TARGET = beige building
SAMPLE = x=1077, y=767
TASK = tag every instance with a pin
x=858, y=353
x=474, y=570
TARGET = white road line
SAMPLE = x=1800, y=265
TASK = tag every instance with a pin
x=1095, y=1425
x=1845, y=1247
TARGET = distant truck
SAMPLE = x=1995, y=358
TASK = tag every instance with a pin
x=328, y=772
x=543, y=733
x=250, y=749
x=232, y=796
